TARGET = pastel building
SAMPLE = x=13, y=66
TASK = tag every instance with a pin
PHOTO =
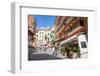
x=45, y=36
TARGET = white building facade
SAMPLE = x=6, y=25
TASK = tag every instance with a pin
x=45, y=37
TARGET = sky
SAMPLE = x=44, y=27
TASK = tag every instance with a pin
x=44, y=22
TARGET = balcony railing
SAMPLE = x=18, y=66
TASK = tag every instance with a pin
x=63, y=21
x=75, y=30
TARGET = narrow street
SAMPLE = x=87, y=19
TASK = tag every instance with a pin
x=42, y=54
x=57, y=37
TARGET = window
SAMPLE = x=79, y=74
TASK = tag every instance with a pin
x=81, y=21
x=42, y=36
x=83, y=45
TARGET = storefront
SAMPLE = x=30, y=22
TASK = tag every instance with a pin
x=74, y=47
x=69, y=47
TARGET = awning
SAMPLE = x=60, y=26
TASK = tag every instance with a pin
x=68, y=40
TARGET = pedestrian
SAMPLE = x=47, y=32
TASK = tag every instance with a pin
x=55, y=51
x=45, y=48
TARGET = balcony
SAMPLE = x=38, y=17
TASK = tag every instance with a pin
x=68, y=20
x=31, y=30
x=75, y=30
x=61, y=26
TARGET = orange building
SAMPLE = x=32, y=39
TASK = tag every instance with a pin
x=67, y=26
x=31, y=30
x=67, y=29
